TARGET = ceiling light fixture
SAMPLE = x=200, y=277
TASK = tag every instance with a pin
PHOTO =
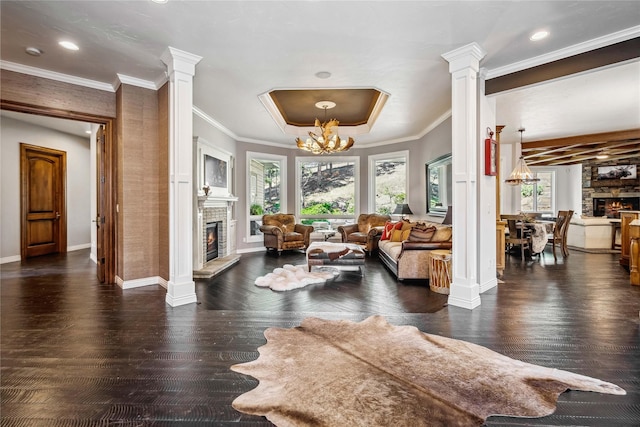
x=69, y=45
x=323, y=74
x=521, y=173
x=160, y=1
x=33, y=51
x=325, y=141
x=539, y=35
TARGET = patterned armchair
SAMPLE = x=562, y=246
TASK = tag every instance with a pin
x=281, y=232
x=366, y=232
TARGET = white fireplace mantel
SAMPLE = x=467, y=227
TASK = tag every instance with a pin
x=207, y=202
x=215, y=201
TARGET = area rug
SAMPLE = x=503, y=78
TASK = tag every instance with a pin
x=341, y=373
x=293, y=277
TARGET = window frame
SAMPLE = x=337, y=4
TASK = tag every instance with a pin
x=254, y=155
x=552, y=196
x=356, y=175
x=372, y=189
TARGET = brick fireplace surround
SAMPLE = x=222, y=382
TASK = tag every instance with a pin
x=210, y=209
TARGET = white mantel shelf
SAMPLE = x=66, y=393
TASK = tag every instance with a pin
x=213, y=201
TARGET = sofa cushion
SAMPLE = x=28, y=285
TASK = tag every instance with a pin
x=391, y=248
x=358, y=237
x=293, y=237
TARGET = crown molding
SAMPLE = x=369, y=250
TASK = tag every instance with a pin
x=567, y=52
x=134, y=81
x=51, y=75
x=207, y=118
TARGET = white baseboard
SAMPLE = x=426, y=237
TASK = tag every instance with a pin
x=138, y=283
x=12, y=258
x=78, y=247
x=250, y=250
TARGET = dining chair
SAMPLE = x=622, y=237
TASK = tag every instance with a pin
x=518, y=234
x=559, y=235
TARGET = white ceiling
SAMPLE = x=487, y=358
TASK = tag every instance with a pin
x=249, y=48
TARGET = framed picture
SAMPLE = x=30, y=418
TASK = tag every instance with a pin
x=215, y=172
x=490, y=157
x=617, y=172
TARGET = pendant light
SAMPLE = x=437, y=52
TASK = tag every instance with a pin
x=521, y=173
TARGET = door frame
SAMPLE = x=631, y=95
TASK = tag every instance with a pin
x=109, y=170
x=60, y=200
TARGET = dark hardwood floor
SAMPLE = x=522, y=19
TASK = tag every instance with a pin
x=77, y=353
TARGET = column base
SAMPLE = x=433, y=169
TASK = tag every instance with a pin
x=181, y=294
x=464, y=296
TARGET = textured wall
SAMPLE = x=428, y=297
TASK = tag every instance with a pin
x=139, y=182
x=26, y=89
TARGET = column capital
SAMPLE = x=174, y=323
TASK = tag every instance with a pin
x=179, y=60
x=467, y=56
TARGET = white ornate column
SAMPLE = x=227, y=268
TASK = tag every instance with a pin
x=181, y=69
x=464, y=64
x=487, y=259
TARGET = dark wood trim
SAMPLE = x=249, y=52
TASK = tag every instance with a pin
x=584, y=139
x=110, y=169
x=607, y=55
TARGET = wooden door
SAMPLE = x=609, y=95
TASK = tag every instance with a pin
x=42, y=201
x=100, y=204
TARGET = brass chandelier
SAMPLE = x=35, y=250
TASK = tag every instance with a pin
x=325, y=141
x=521, y=173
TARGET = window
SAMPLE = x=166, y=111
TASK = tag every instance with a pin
x=388, y=177
x=327, y=188
x=439, y=185
x=266, y=189
x=539, y=196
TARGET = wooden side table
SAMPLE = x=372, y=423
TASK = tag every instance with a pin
x=440, y=271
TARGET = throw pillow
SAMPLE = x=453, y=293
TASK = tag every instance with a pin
x=419, y=234
x=389, y=226
x=443, y=234
x=400, y=235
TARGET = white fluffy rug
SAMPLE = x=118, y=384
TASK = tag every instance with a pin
x=292, y=277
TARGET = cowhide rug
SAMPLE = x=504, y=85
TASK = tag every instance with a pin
x=341, y=373
x=292, y=277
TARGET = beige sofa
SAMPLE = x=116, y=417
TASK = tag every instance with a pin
x=407, y=254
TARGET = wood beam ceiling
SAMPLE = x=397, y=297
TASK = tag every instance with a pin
x=573, y=150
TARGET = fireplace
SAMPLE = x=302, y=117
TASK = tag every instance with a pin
x=212, y=239
x=609, y=206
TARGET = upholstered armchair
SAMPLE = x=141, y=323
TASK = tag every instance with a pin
x=366, y=232
x=281, y=232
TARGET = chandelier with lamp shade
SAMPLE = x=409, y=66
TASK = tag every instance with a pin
x=521, y=173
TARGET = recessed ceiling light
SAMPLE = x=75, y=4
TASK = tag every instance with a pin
x=87, y=131
x=539, y=35
x=33, y=51
x=323, y=74
x=69, y=45
x=160, y=1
